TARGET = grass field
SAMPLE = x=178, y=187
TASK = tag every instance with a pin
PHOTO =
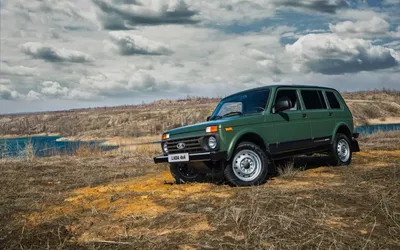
x=152, y=119
x=121, y=200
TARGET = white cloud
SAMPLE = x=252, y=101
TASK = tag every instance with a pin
x=33, y=96
x=128, y=43
x=18, y=70
x=5, y=81
x=355, y=14
x=396, y=33
x=122, y=83
x=6, y=93
x=118, y=14
x=394, y=45
x=373, y=27
x=183, y=47
x=51, y=89
x=52, y=54
x=327, y=6
x=330, y=54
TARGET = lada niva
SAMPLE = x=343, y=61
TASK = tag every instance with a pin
x=250, y=130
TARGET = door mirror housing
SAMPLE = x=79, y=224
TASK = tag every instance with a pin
x=208, y=118
x=282, y=104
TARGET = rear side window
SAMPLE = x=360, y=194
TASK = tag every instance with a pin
x=292, y=95
x=333, y=101
x=313, y=99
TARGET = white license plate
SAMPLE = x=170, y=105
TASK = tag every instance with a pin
x=178, y=157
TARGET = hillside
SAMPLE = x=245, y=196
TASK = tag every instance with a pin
x=152, y=119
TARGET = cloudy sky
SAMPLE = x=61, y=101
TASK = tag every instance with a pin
x=61, y=54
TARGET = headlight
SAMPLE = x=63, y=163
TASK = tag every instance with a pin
x=165, y=148
x=212, y=142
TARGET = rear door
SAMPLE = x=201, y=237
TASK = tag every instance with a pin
x=334, y=106
x=292, y=129
x=318, y=114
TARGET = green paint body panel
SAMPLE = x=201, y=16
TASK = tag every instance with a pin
x=276, y=128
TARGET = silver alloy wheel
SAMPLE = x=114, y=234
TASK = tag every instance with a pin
x=343, y=150
x=246, y=165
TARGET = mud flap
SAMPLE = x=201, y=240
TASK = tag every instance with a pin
x=354, y=146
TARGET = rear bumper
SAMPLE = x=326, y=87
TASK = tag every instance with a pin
x=206, y=156
x=354, y=143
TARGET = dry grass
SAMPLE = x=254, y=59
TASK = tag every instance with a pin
x=152, y=119
x=381, y=141
x=288, y=169
x=117, y=201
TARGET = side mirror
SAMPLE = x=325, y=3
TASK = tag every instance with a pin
x=282, y=104
x=208, y=118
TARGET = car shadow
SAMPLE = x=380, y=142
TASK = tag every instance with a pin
x=301, y=162
x=311, y=162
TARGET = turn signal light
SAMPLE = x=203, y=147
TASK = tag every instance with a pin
x=212, y=129
x=165, y=137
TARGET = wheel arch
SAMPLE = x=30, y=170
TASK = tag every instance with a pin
x=249, y=136
x=343, y=129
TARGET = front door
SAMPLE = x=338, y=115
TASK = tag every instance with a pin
x=292, y=129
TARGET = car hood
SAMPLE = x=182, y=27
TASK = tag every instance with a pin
x=198, y=127
x=201, y=127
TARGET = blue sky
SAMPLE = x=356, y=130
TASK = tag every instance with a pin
x=58, y=54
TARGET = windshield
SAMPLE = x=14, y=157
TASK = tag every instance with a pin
x=241, y=104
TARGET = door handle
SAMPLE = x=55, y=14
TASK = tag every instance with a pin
x=330, y=113
x=304, y=115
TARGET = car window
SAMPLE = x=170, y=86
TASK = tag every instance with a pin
x=333, y=101
x=248, y=102
x=230, y=107
x=292, y=95
x=313, y=99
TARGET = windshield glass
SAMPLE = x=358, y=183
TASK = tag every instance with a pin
x=241, y=104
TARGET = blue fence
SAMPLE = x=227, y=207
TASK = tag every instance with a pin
x=43, y=146
x=370, y=129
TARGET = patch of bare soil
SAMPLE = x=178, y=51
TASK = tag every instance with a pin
x=49, y=204
x=384, y=120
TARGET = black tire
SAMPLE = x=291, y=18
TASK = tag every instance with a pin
x=334, y=154
x=260, y=176
x=183, y=173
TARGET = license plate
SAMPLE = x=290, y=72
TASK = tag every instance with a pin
x=178, y=157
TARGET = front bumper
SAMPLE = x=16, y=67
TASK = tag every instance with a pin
x=206, y=156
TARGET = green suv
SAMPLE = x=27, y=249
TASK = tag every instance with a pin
x=250, y=130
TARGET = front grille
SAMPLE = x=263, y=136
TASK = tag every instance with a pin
x=192, y=145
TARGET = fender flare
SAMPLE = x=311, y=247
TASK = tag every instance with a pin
x=233, y=144
x=341, y=124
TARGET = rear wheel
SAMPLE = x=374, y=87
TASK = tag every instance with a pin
x=183, y=173
x=341, y=152
x=248, y=167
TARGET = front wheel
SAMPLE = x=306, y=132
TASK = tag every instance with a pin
x=248, y=167
x=183, y=173
x=341, y=152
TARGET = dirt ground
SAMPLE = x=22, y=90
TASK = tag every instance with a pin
x=126, y=202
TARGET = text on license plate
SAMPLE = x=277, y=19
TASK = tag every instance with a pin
x=178, y=157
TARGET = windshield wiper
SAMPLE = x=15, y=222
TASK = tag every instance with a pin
x=233, y=113
x=226, y=115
